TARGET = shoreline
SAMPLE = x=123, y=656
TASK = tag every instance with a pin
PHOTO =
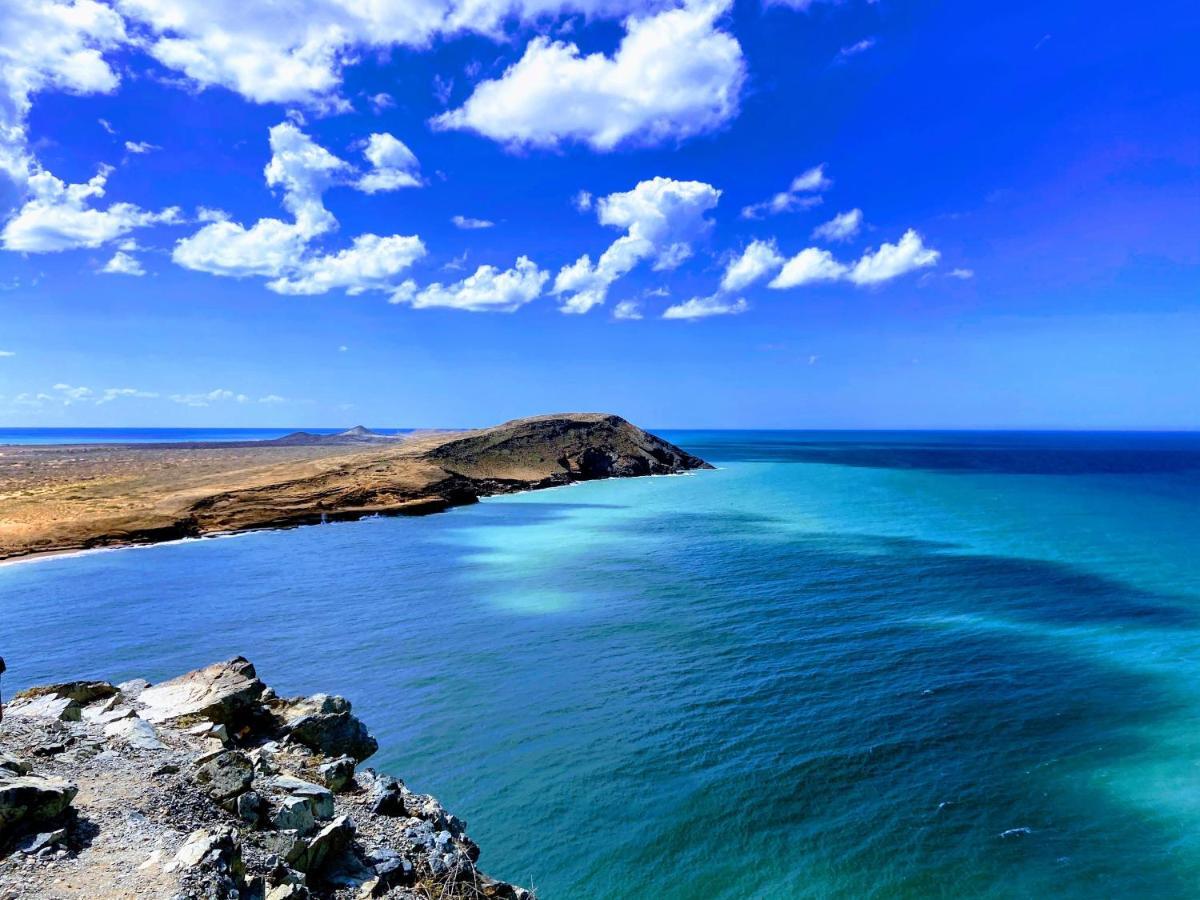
x=65, y=499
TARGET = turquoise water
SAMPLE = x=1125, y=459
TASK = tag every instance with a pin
x=869, y=665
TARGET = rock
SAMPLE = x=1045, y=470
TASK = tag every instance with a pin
x=294, y=814
x=225, y=693
x=287, y=891
x=229, y=774
x=134, y=732
x=107, y=712
x=317, y=704
x=166, y=769
x=337, y=773
x=199, y=845
x=13, y=765
x=133, y=688
x=250, y=807
x=328, y=843
x=332, y=734
x=386, y=796
x=37, y=842
x=32, y=799
x=319, y=799
x=82, y=692
x=47, y=706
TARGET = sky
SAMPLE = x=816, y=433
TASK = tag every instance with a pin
x=709, y=213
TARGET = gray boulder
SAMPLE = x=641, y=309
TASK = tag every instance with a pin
x=224, y=693
x=226, y=776
x=32, y=799
x=332, y=734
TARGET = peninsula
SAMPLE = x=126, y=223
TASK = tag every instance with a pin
x=61, y=498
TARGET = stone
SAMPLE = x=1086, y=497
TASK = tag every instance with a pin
x=134, y=732
x=337, y=773
x=294, y=814
x=37, y=842
x=287, y=891
x=224, y=693
x=103, y=714
x=82, y=692
x=32, y=799
x=166, y=769
x=13, y=765
x=199, y=844
x=249, y=807
x=133, y=688
x=310, y=856
x=226, y=776
x=47, y=706
x=386, y=796
x=332, y=734
x=320, y=799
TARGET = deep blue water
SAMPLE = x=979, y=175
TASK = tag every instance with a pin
x=867, y=665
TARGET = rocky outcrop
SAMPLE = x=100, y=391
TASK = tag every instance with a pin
x=210, y=786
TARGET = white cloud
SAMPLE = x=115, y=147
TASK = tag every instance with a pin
x=469, y=224
x=802, y=193
x=58, y=216
x=219, y=395
x=841, y=227
x=280, y=53
x=809, y=266
x=758, y=260
x=674, y=75
x=856, y=48
x=139, y=147
x=281, y=250
x=893, y=260
x=370, y=263
x=703, y=307
x=890, y=261
x=380, y=102
x=272, y=399
x=627, y=311
x=583, y=201
x=4, y=354
x=123, y=264
x=393, y=165
x=488, y=290
x=661, y=218
x=111, y=394
x=962, y=274
x=49, y=45
x=70, y=393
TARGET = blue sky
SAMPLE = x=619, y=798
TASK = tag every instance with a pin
x=748, y=214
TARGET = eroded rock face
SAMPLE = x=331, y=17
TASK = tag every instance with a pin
x=224, y=693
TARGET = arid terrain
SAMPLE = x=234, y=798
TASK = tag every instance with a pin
x=61, y=498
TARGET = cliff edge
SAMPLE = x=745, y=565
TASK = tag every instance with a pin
x=210, y=786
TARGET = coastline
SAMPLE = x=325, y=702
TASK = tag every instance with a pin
x=75, y=498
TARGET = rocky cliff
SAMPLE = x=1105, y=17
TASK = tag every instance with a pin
x=210, y=786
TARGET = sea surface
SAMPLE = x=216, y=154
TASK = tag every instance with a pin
x=842, y=665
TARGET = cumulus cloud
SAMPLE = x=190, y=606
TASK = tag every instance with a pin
x=661, y=218
x=6, y=353
x=893, y=260
x=803, y=193
x=468, y=224
x=674, y=75
x=123, y=264
x=111, y=394
x=281, y=251
x=488, y=290
x=856, y=48
x=59, y=216
x=841, y=227
x=370, y=263
x=890, y=261
x=270, y=53
x=140, y=147
x=393, y=165
x=704, y=307
x=627, y=311
x=962, y=274
x=809, y=266
x=50, y=45
x=218, y=395
x=759, y=259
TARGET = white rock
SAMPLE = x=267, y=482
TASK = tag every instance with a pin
x=134, y=732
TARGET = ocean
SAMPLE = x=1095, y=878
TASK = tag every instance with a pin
x=841, y=665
